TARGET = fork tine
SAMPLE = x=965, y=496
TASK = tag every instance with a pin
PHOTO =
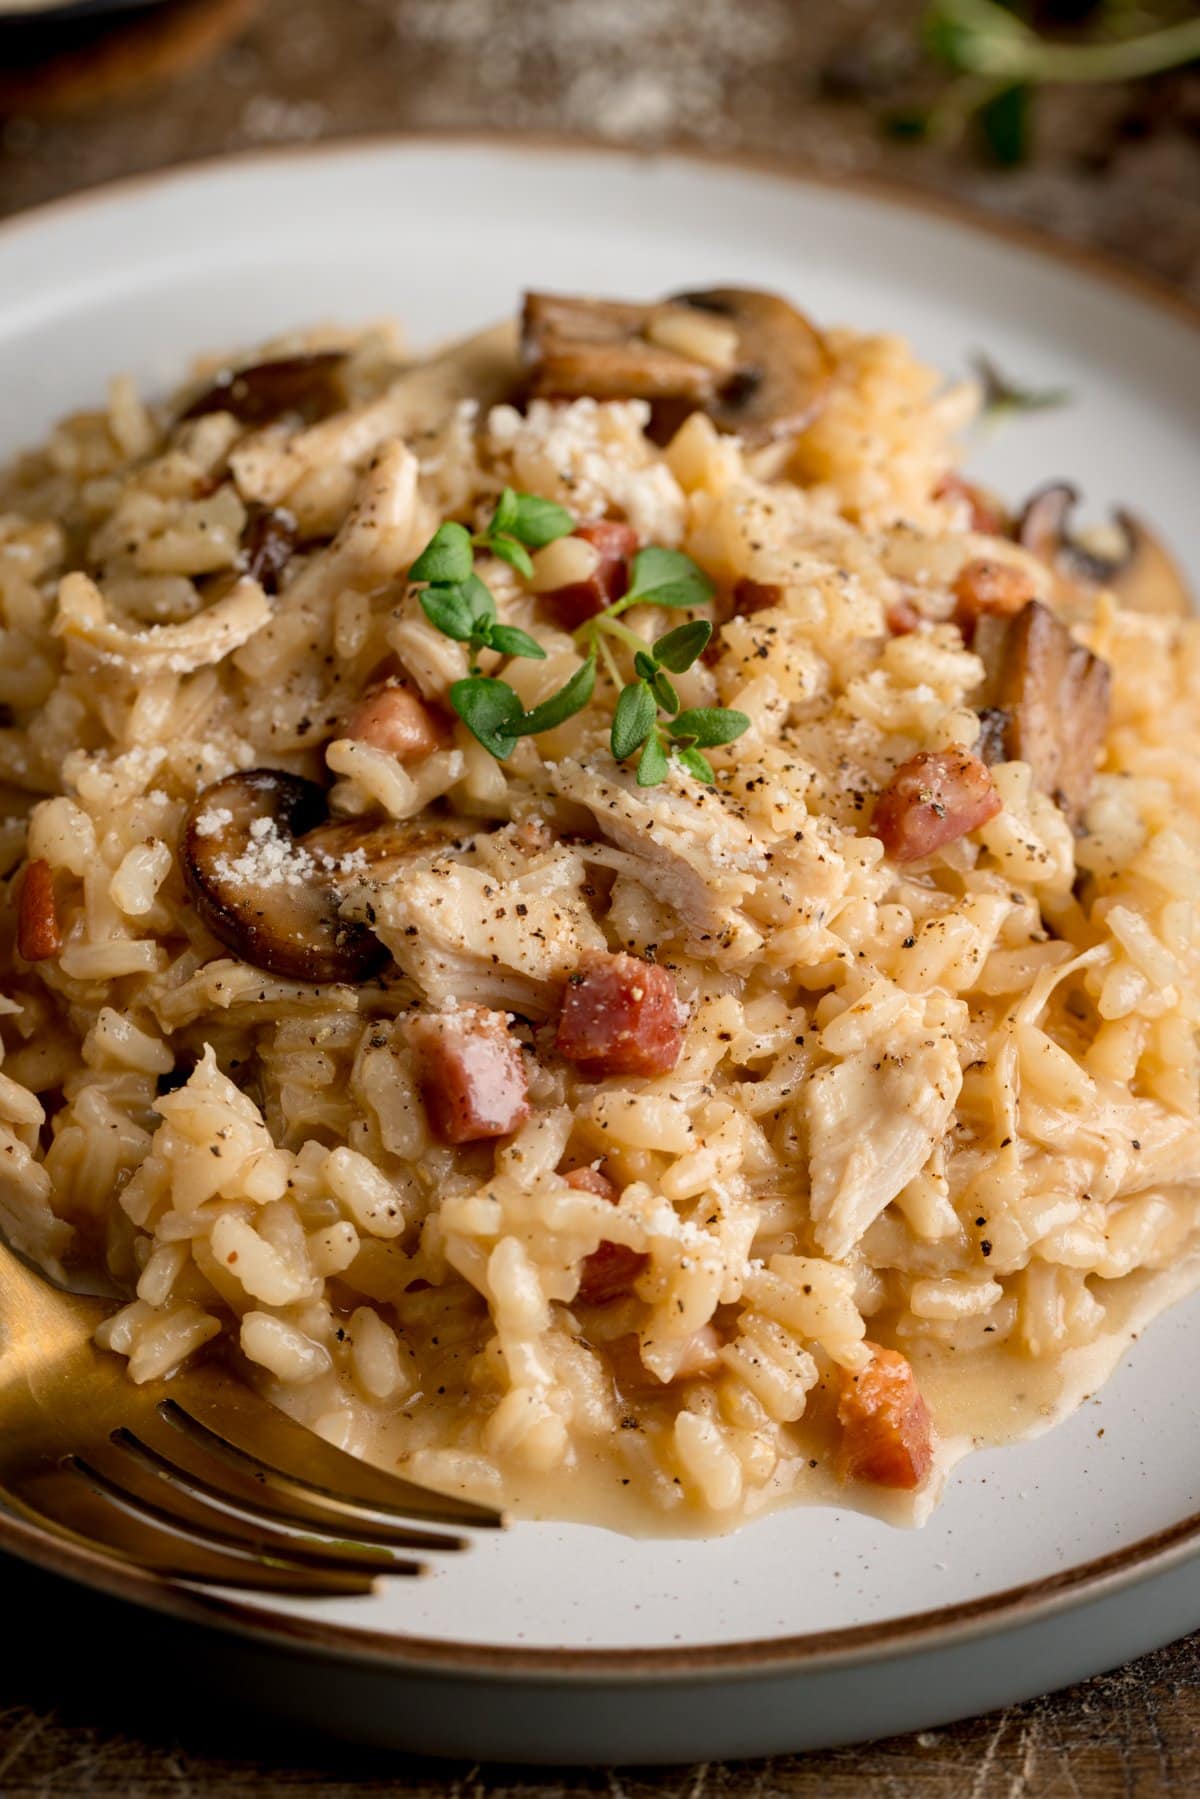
x=233, y=1421
x=174, y=1460
x=135, y=1484
x=62, y=1503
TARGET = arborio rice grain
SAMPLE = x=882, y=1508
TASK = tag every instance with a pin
x=933, y=1118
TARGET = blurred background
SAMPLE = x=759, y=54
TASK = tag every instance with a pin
x=1078, y=116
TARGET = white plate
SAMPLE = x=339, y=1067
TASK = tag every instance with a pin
x=1047, y=1561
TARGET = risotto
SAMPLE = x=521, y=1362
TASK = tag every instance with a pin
x=616, y=934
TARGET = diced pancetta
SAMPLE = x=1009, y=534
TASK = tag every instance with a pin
x=471, y=1073
x=393, y=718
x=609, y=1273
x=933, y=799
x=611, y=1269
x=39, y=935
x=590, y=1180
x=614, y=543
x=984, y=586
x=887, y=1434
x=620, y=1015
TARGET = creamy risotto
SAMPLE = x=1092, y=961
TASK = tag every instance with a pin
x=614, y=932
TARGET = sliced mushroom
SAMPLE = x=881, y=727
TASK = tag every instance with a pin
x=260, y=877
x=1052, y=697
x=1137, y=567
x=269, y=542
x=763, y=376
x=783, y=365
x=307, y=385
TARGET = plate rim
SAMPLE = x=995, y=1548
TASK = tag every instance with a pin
x=811, y=1652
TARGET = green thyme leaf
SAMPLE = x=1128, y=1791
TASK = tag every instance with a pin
x=510, y=551
x=644, y=665
x=510, y=641
x=666, y=578
x=505, y=514
x=564, y=704
x=449, y=610
x=1006, y=124
x=697, y=765
x=491, y=711
x=678, y=649
x=447, y=557
x=534, y=521
x=664, y=693
x=652, y=766
x=710, y=725
x=1002, y=396
x=633, y=719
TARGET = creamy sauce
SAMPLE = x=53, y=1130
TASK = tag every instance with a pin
x=978, y=1400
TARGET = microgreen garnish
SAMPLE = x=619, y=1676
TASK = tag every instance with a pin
x=459, y=605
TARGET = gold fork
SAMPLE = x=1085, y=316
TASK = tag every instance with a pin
x=195, y=1478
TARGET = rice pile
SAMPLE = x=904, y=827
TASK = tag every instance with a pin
x=947, y=1109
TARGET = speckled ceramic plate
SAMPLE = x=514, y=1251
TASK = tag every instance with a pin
x=1047, y=1561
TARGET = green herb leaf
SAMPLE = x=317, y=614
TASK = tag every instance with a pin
x=447, y=557
x=652, y=766
x=644, y=665
x=697, y=765
x=666, y=578
x=564, y=704
x=1001, y=395
x=491, y=711
x=504, y=516
x=534, y=521
x=633, y=719
x=664, y=693
x=710, y=725
x=449, y=611
x=678, y=649
x=1006, y=123
x=510, y=551
x=510, y=641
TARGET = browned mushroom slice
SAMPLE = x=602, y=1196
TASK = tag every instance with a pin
x=602, y=349
x=1138, y=569
x=748, y=359
x=307, y=385
x=1055, y=696
x=783, y=365
x=268, y=544
x=261, y=890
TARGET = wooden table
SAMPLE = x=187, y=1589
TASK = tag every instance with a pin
x=1117, y=169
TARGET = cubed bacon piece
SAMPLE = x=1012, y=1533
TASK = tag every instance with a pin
x=609, y=1273
x=902, y=618
x=590, y=1180
x=985, y=586
x=614, y=543
x=887, y=1433
x=748, y=597
x=987, y=515
x=611, y=1269
x=931, y=800
x=39, y=934
x=620, y=1015
x=471, y=1073
x=393, y=718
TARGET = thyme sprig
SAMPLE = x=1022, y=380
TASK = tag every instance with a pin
x=461, y=606
x=999, y=61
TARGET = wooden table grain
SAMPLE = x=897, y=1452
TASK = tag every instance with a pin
x=1117, y=169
